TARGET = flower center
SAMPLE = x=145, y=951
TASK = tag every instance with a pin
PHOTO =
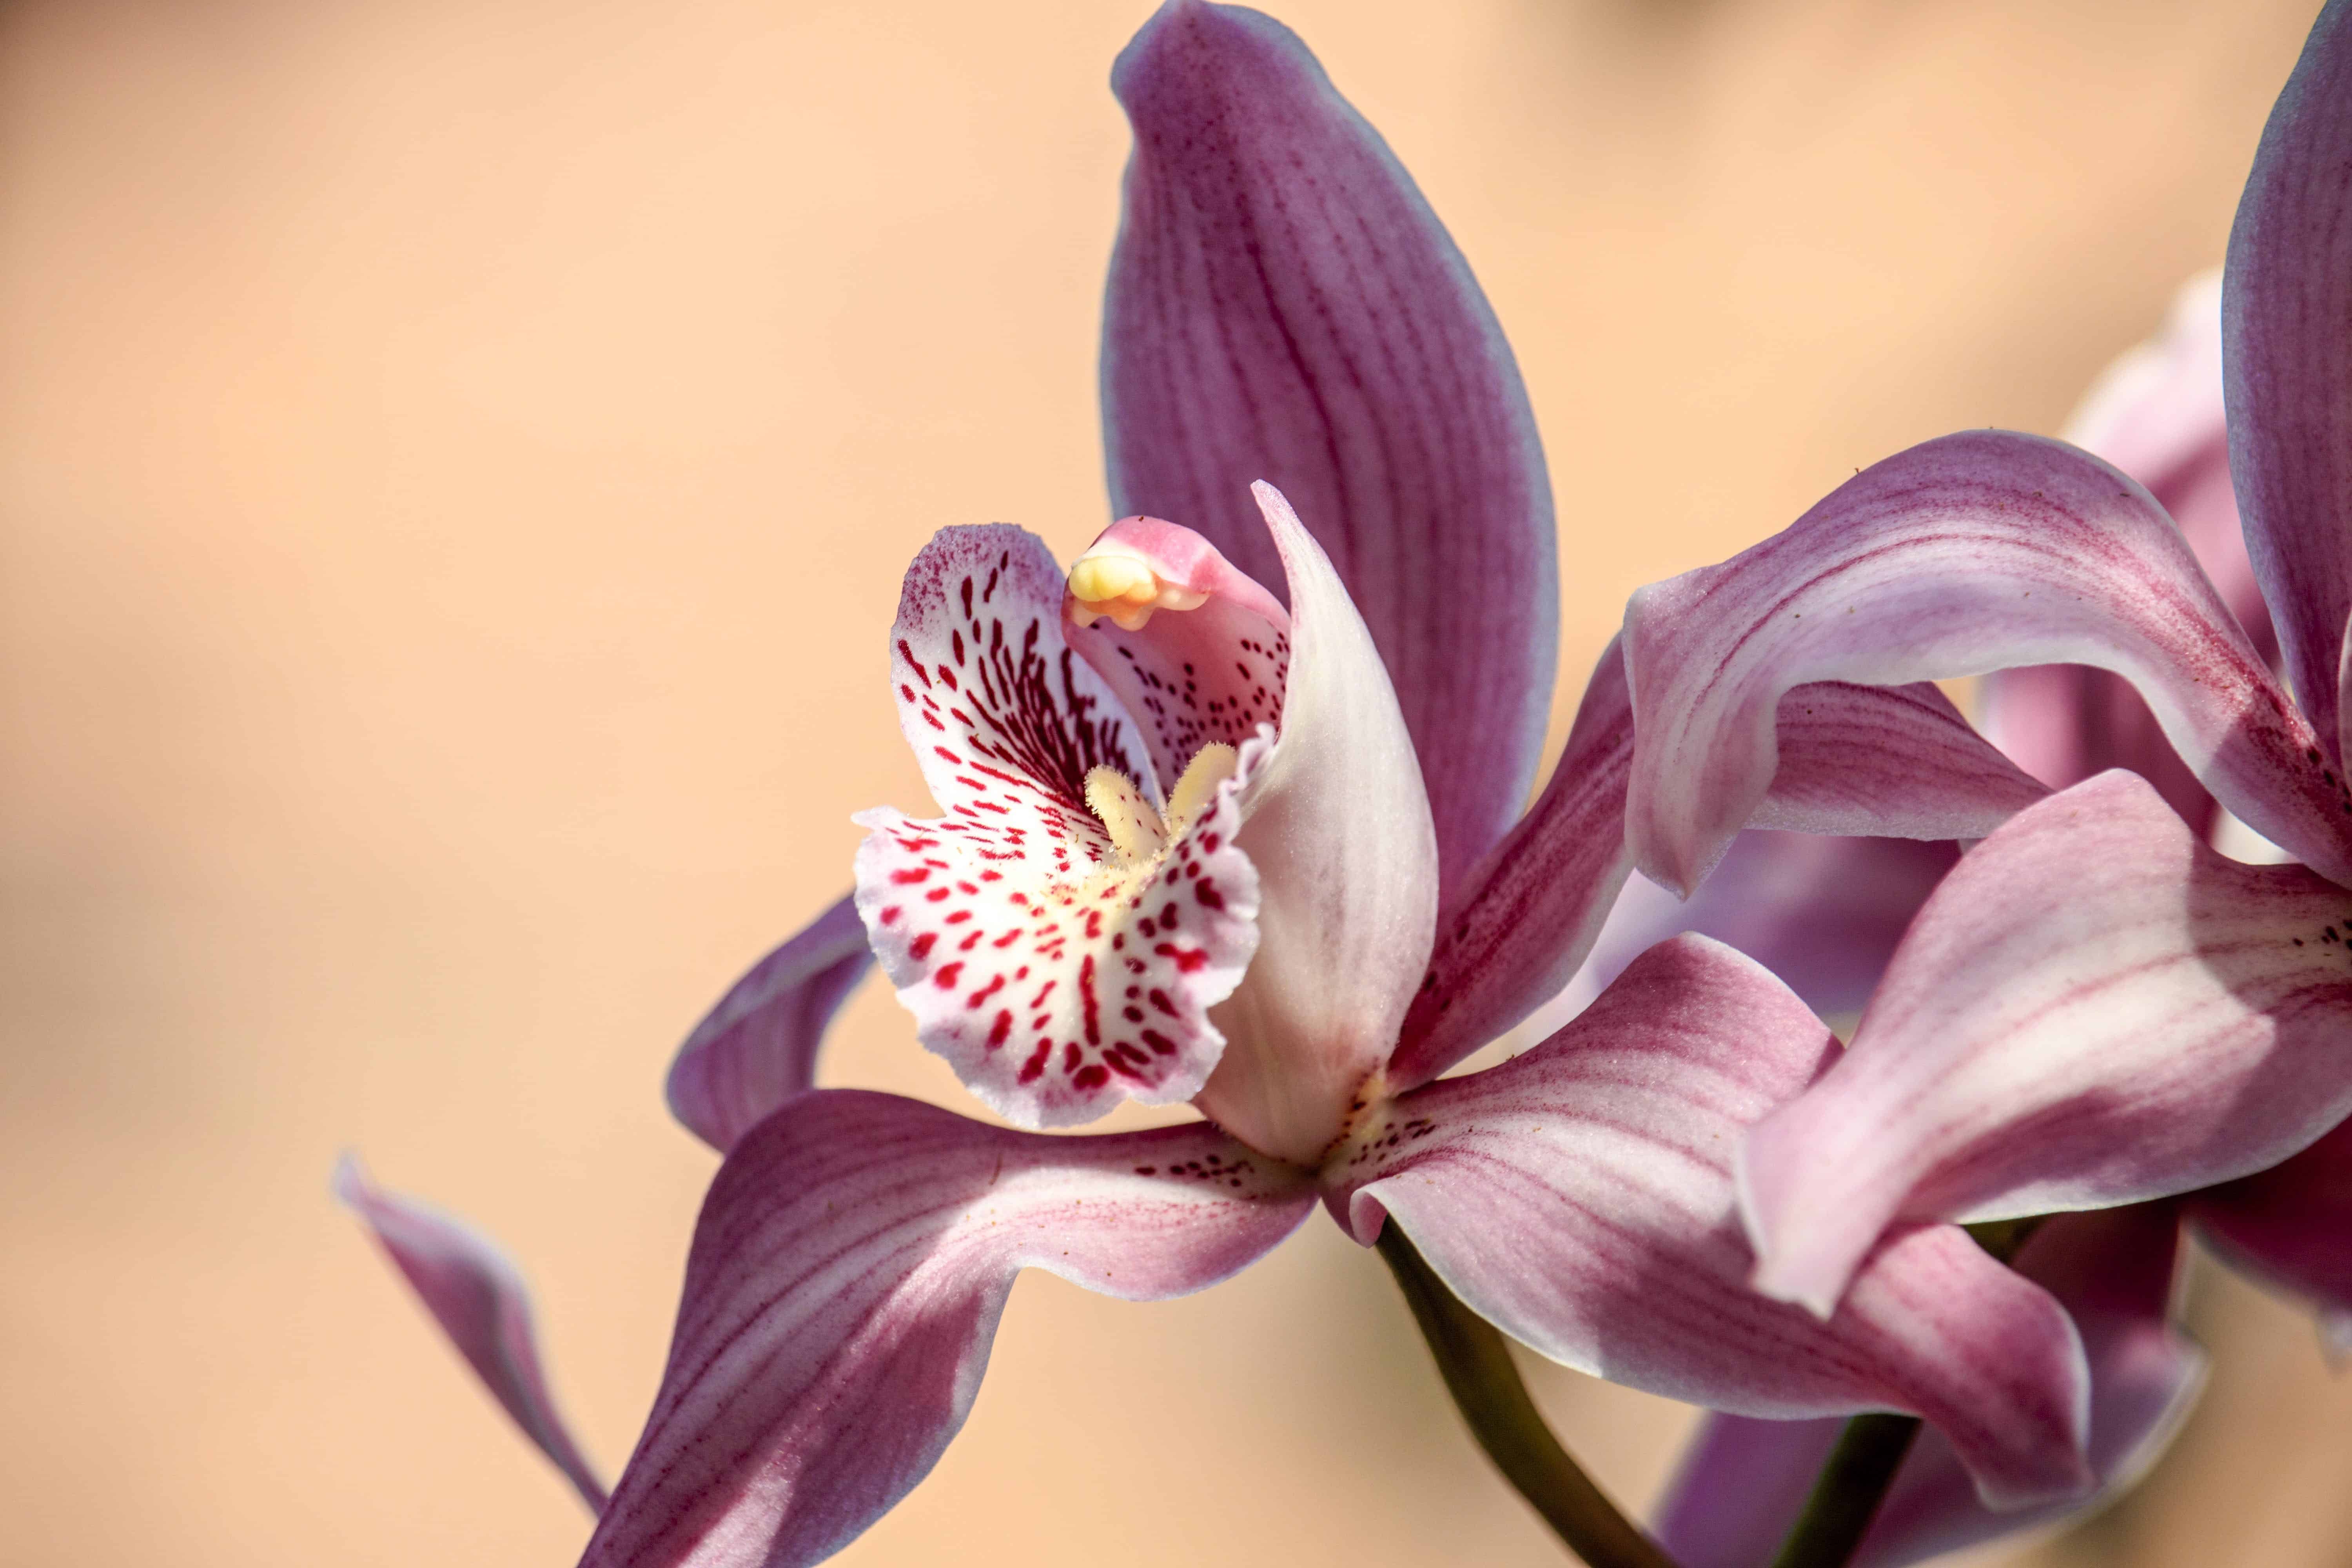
x=1139, y=835
x=1114, y=581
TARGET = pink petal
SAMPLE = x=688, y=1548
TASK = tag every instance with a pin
x=847, y=1273
x=2092, y=1009
x=1206, y=675
x=1339, y=828
x=473, y=1290
x=757, y=1048
x=1055, y=975
x=1284, y=305
x=1580, y=1198
x=1973, y=552
x=2292, y=1224
x=1743, y=1481
x=1895, y=761
x=2287, y=294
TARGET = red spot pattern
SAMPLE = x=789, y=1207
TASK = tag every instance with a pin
x=1016, y=960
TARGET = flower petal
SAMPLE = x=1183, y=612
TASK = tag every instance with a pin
x=2292, y=1224
x=1970, y=553
x=1895, y=761
x=1580, y=1196
x=1743, y=1481
x=1057, y=970
x=2287, y=360
x=474, y=1291
x=1339, y=828
x=2092, y=1009
x=1283, y=305
x=852, y=1260
x=757, y=1048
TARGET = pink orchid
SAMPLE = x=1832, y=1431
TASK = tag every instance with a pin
x=1199, y=841
x=2095, y=1007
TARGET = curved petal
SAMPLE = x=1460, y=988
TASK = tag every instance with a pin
x=851, y=1262
x=757, y=1048
x=1197, y=651
x=1283, y=305
x=1743, y=1481
x=1580, y=1196
x=2292, y=1224
x=477, y=1295
x=2287, y=360
x=1895, y=761
x=1822, y=914
x=2092, y=1009
x=1339, y=828
x=1970, y=553
x=1060, y=967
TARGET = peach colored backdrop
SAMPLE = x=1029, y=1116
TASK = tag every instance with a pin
x=456, y=459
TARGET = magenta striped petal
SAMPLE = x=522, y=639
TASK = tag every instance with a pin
x=1579, y=1198
x=2092, y=1009
x=1743, y=1481
x=1339, y=831
x=2287, y=336
x=847, y=1273
x=1283, y=305
x=477, y=1295
x=757, y=1048
x=1973, y=552
x=1895, y=761
x=2291, y=1224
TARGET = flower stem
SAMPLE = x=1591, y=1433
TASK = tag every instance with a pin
x=1475, y=1362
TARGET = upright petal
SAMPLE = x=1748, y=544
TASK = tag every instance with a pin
x=2093, y=1008
x=852, y=1260
x=1339, y=828
x=1743, y=1481
x=2291, y=1224
x=2287, y=357
x=474, y=1291
x=1058, y=964
x=1970, y=553
x=1579, y=1198
x=1283, y=305
x=757, y=1048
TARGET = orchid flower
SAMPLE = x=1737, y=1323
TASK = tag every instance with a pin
x=1201, y=841
x=2095, y=1007
x=1825, y=914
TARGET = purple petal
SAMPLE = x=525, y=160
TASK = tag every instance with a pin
x=1339, y=828
x=1058, y=970
x=1822, y=914
x=1580, y=1196
x=2292, y=1224
x=1284, y=305
x=757, y=1048
x=1970, y=553
x=2092, y=1009
x=852, y=1260
x=474, y=1291
x=1890, y=761
x=2287, y=294
x=1743, y=1481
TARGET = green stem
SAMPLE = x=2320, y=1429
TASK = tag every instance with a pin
x=1475, y=1360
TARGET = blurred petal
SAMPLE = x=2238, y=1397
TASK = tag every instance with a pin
x=1580, y=1196
x=1339, y=828
x=758, y=1048
x=2288, y=358
x=1058, y=970
x=474, y=1291
x=1743, y=1481
x=1822, y=914
x=852, y=1260
x=2292, y=1224
x=1283, y=305
x=2093, y=1008
x=1970, y=553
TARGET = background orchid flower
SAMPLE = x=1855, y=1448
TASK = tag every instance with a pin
x=2095, y=1007
x=1293, y=895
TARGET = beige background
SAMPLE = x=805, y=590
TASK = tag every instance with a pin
x=457, y=457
